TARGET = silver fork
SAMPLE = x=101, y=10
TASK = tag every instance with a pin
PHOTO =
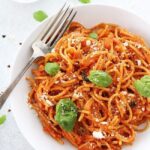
x=46, y=41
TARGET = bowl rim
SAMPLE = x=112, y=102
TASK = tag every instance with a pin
x=87, y=5
x=13, y=73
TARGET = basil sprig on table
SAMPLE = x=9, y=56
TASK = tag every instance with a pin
x=66, y=114
x=85, y=1
x=40, y=15
x=143, y=86
x=2, y=119
x=100, y=78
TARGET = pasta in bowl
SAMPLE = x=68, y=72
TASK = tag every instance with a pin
x=94, y=88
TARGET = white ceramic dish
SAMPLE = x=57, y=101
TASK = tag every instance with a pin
x=26, y=119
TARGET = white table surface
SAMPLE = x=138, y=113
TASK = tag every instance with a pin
x=16, y=22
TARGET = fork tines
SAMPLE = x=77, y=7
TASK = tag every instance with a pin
x=58, y=25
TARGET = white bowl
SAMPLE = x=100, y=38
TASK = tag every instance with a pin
x=26, y=119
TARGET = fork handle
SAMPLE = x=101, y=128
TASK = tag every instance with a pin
x=12, y=85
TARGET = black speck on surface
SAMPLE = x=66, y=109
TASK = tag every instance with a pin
x=9, y=110
x=20, y=43
x=8, y=66
x=3, y=36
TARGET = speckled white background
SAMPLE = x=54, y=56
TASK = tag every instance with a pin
x=16, y=23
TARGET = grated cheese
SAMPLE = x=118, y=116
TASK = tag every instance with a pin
x=69, y=40
x=98, y=134
x=126, y=44
x=75, y=41
x=56, y=81
x=118, y=79
x=43, y=96
x=95, y=48
x=74, y=76
x=143, y=109
x=139, y=62
x=115, y=68
x=104, y=122
x=49, y=102
x=88, y=42
x=124, y=92
x=112, y=134
x=77, y=94
x=138, y=45
x=131, y=95
x=96, y=119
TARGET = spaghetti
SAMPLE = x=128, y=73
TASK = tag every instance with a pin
x=108, y=117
